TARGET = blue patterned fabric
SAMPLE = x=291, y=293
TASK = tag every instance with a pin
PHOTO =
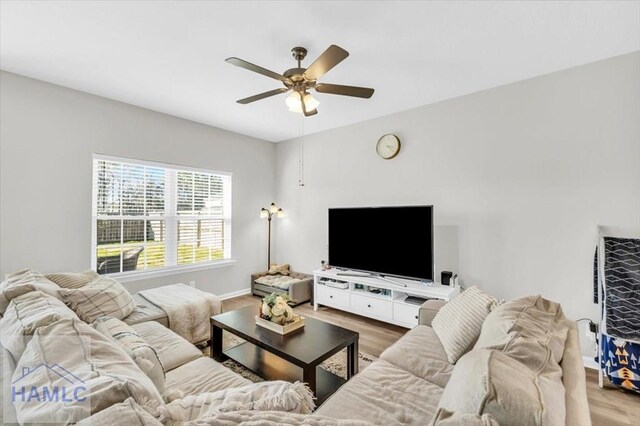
x=621, y=362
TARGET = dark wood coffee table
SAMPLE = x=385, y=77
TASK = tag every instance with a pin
x=294, y=356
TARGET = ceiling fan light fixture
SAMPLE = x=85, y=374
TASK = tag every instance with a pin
x=301, y=79
x=293, y=102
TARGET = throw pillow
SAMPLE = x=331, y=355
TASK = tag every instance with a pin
x=279, y=269
x=490, y=382
x=458, y=323
x=72, y=279
x=25, y=314
x=145, y=356
x=530, y=329
x=94, y=372
x=22, y=282
x=103, y=296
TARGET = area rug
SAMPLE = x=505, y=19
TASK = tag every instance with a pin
x=337, y=364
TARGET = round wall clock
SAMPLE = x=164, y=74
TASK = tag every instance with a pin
x=388, y=146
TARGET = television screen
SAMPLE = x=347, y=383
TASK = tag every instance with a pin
x=394, y=241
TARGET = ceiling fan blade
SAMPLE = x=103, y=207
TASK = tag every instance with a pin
x=256, y=68
x=337, y=89
x=262, y=96
x=304, y=108
x=329, y=59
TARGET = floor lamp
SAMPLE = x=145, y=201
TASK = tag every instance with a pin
x=268, y=214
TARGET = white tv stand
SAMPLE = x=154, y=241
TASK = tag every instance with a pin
x=387, y=306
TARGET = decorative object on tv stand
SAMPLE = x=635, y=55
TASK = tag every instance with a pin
x=268, y=214
x=276, y=314
x=325, y=265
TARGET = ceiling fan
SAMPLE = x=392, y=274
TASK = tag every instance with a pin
x=300, y=80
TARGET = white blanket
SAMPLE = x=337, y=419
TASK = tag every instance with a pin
x=271, y=418
x=276, y=395
x=188, y=309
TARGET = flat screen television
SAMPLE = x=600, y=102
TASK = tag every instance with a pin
x=394, y=241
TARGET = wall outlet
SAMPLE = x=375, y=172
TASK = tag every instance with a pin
x=591, y=330
x=192, y=284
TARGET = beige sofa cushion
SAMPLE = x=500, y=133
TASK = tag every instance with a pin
x=574, y=380
x=7, y=367
x=428, y=311
x=531, y=329
x=146, y=311
x=72, y=355
x=458, y=323
x=202, y=375
x=25, y=314
x=384, y=394
x=447, y=418
x=72, y=279
x=172, y=349
x=22, y=282
x=490, y=382
x=103, y=296
x=124, y=413
x=421, y=353
x=273, y=418
x=142, y=353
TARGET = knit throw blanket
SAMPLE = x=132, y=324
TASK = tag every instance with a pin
x=271, y=418
x=188, y=309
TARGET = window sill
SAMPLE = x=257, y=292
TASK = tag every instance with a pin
x=124, y=277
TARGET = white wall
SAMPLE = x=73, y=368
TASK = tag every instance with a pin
x=519, y=175
x=48, y=135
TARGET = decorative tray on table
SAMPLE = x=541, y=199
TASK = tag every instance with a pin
x=281, y=329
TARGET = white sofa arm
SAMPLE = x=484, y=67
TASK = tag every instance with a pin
x=428, y=311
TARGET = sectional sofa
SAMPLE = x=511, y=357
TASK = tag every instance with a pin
x=508, y=377
x=38, y=329
x=524, y=368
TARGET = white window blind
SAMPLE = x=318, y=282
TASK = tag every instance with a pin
x=150, y=215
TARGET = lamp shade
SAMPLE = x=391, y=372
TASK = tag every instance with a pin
x=293, y=102
x=273, y=208
x=264, y=213
x=280, y=213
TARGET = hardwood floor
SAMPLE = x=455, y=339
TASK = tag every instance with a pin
x=609, y=406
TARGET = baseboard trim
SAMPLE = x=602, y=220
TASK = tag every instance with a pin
x=589, y=362
x=235, y=294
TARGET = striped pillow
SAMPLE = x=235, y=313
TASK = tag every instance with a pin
x=103, y=296
x=22, y=282
x=72, y=279
x=25, y=314
x=459, y=322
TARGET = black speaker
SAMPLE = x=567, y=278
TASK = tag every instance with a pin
x=445, y=277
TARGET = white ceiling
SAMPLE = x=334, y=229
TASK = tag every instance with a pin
x=169, y=56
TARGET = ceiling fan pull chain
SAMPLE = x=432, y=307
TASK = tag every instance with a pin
x=301, y=154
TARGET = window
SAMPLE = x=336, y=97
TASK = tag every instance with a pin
x=152, y=216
